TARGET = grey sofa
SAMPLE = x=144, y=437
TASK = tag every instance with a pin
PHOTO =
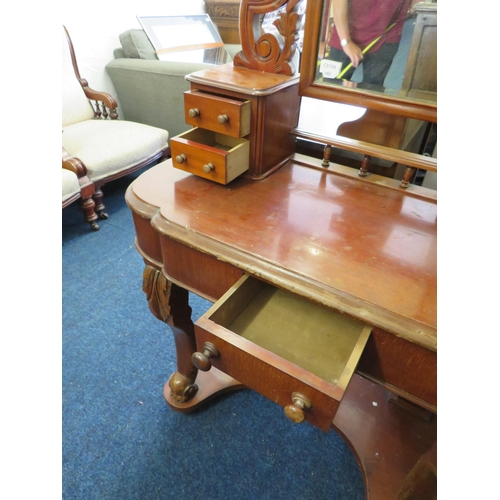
x=151, y=91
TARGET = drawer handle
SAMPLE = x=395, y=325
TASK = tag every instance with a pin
x=295, y=411
x=194, y=112
x=180, y=158
x=209, y=167
x=202, y=359
x=222, y=119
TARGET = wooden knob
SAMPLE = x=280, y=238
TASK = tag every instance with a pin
x=180, y=158
x=202, y=359
x=222, y=119
x=209, y=167
x=295, y=411
x=194, y=112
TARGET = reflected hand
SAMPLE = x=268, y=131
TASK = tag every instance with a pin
x=354, y=52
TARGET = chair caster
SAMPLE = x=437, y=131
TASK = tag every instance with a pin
x=94, y=226
x=103, y=215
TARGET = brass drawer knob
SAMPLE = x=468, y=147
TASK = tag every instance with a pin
x=180, y=158
x=295, y=411
x=194, y=112
x=222, y=119
x=209, y=167
x=202, y=359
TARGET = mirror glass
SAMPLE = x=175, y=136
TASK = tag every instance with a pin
x=388, y=46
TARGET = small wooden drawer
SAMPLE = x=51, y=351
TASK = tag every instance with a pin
x=210, y=155
x=283, y=347
x=219, y=114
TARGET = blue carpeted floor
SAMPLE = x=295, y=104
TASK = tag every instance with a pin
x=120, y=439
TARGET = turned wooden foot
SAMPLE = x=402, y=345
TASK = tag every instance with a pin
x=99, y=205
x=87, y=206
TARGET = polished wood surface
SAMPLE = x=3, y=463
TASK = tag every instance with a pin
x=363, y=250
x=247, y=82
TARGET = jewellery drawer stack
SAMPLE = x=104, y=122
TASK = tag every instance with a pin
x=238, y=128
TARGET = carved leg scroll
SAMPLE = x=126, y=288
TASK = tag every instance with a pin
x=169, y=303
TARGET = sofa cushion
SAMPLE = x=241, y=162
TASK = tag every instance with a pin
x=136, y=45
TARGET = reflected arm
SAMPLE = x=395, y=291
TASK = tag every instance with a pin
x=340, y=11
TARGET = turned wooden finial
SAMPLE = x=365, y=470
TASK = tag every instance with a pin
x=264, y=52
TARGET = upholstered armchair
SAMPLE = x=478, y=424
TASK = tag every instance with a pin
x=107, y=148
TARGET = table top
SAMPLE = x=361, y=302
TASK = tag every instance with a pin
x=361, y=248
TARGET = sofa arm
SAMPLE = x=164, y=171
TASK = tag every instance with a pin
x=152, y=92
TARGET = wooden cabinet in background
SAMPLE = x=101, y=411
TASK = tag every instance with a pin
x=420, y=79
x=225, y=14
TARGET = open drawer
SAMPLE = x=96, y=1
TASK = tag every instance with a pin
x=297, y=353
x=210, y=155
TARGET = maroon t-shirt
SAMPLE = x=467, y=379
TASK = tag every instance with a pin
x=368, y=19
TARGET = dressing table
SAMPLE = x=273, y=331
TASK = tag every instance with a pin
x=323, y=280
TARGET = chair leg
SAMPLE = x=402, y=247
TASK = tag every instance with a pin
x=99, y=205
x=87, y=206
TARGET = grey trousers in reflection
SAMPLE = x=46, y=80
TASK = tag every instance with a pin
x=375, y=65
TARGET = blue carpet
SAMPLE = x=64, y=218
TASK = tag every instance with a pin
x=120, y=439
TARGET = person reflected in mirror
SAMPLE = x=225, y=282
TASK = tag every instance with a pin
x=367, y=32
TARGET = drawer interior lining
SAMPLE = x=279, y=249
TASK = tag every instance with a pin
x=313, y=337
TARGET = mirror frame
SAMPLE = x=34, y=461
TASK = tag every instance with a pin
x=420, y=110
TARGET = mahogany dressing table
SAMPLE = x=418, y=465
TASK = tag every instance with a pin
x=323, y=281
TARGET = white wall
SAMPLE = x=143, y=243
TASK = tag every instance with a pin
x=95, y=25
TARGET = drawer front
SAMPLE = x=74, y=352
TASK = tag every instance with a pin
x=210, y=155
x=277, y=374
x=219, y=114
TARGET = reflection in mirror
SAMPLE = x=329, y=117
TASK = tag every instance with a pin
x=388, y=46
x=324, y=118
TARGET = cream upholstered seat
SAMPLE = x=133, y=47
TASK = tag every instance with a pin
x=107, y=148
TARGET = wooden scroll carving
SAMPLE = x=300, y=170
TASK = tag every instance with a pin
x=264, y=52
x=157, y=290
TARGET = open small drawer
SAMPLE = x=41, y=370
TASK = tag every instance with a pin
x=299, y=354
x=211, y=155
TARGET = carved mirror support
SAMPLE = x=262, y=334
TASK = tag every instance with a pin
x=264, y=51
